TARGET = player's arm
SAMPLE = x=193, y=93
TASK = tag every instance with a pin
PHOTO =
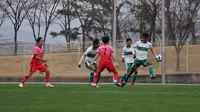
x=38, y=58
x=153, y=52
x=95, y=58
x=81, y=60
x=134, y=50
x=114, y=59
x=123, y=57
x=83, y=56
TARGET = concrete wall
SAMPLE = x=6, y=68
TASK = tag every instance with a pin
x=170, y=78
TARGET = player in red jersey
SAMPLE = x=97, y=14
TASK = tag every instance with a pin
x=105, y=52
x=37, y=63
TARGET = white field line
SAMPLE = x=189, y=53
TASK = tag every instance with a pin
x=113, y=92
x=88, y=83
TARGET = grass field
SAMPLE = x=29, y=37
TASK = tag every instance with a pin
x=107, y=98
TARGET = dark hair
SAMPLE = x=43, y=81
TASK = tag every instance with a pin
x=105, y=39
x=145, y=35
x=38, y=39
x=128, y=39
x=95, y=41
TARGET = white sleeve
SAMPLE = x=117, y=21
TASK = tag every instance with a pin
x=81, y=60
x=123, y=52
x=135, y=47
x=84, y=55
x=87, y=51
x=150, y=45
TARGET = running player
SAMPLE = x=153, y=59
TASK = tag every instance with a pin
x=105, y=52
x=142, y=48
x=90, y=54
x=128, y=55
x=37, y=63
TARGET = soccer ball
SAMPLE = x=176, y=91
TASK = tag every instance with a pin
x=158, y=58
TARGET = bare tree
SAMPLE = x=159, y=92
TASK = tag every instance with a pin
x=2, y=16
x=103, y=20
x=48, y=10
x=65, y=16
x=146, y=13
x=16, y=14
x=85, y=13
x=33, y=16
x=195, y=8
x=179, y=14
x=41, y=16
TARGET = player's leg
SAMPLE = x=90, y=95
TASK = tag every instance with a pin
x=44, y=68
x=95, y=70
x=25, y=79
x=128, y=67
x=98, y=74
x=110, y=67
x=32, y=70
x=134, y=78
x=150, y=69
x=92, y=70
x=134, y=67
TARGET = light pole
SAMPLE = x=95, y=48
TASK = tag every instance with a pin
x=114, y=26
x=163, y=42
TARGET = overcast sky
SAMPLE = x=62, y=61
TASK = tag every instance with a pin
x=25, y=32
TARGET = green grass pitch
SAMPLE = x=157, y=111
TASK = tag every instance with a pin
x=107, y=98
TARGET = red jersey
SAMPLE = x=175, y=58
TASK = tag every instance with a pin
x=39, y=51
x=105, y=53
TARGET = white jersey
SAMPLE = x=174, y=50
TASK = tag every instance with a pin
x=90, y=54
x=128, y=53
x=142, y=49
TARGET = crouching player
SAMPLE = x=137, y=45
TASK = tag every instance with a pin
x=142, y=48
x=105, y=52
x=90, y=54
x=37, y=64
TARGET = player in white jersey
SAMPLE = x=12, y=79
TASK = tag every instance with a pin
x=128, y=55
x=141, y=50
x=89, y=56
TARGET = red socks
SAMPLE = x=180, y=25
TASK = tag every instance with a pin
x=96, y=77
x=24, y=79
x=47, y=78
x=115, y=76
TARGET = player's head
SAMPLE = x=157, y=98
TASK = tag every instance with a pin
x=96, y=43
x=145, y=37
x=105, y=39
x=128, y=42
x=40, y=41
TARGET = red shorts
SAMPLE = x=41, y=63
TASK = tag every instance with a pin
x=41, y=68
x=109, y=66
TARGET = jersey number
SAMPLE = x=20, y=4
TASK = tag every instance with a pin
x=104, y=51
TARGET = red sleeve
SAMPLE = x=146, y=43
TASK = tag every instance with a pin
x=151, y=49
x=36, y=51
x=98, y=50
x=111, y=49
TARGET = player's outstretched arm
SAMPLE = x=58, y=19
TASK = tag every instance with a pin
x=153, y=52
x=95, y=58
x=114, y=59
x=123, y=57
x=81, y=60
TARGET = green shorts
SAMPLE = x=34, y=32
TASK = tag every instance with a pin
x=87, y=64
x=138, y=63
x=128, y=66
